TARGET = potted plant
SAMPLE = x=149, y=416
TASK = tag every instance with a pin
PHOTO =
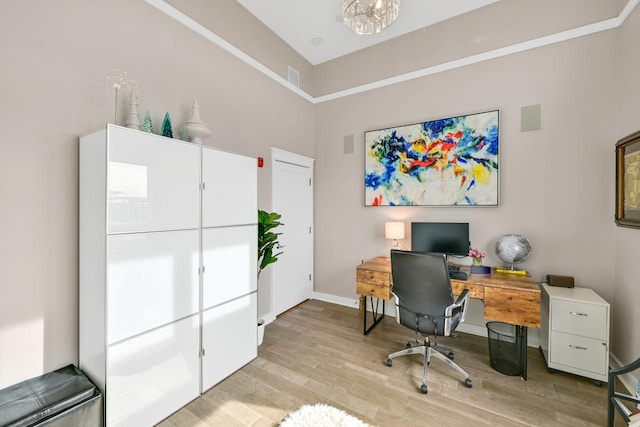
x=267, y=239
x=268, y=246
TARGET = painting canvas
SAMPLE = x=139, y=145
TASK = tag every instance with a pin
x=446, y=162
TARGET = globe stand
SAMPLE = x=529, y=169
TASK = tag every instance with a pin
x=511, y=270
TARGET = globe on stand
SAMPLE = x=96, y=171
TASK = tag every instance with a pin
x=512, y=249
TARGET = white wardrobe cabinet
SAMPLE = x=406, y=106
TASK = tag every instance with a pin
x=167, y=304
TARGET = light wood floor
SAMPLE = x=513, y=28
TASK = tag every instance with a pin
x=317, y=353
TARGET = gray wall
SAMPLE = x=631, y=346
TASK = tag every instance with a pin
x=626, y=315
x=556, y=184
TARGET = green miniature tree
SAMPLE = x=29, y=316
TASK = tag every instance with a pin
x=147, y=126
x=166, y=126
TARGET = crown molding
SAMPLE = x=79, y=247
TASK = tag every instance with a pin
x=562, y=36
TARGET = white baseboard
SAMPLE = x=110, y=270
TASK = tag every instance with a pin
x=347, y=302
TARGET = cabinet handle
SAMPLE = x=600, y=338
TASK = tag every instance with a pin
x=577, y=347
x=577, y=313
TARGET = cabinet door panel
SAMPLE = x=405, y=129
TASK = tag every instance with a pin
x=230, y=196
x=153, y=375
x=229, y=338
x=579, y=352
x=152, y=280
x=153, y=183
x=229, y=257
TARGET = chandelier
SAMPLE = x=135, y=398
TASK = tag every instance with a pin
x=369, y=16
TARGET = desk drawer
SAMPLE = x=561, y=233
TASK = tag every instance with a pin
x=475, y=291
x=512, y=306
x=578, y=352
x=371, y=290
x=575, y=317
x=379, y=278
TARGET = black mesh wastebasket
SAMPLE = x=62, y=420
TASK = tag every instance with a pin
x=505, y=348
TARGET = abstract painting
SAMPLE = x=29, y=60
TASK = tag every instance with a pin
x=446, y=162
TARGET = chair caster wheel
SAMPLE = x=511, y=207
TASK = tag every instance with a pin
x=451, y=356
x=468, y=383
x=408, y=345
x=389, y=362
x=423, y=389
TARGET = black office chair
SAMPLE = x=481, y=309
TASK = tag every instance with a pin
x=617, y=399
x=425, y=304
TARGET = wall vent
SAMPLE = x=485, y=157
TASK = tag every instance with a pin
x=294, y=76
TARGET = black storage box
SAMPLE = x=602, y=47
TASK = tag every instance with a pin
x=557, y=280
x=64, y=397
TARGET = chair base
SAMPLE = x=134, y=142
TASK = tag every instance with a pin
x=427, y=351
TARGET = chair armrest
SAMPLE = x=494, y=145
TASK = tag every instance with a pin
x=461, y=302
x=397, y=304
x=624, y=369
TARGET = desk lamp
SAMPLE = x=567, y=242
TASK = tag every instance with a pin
x=394, y=230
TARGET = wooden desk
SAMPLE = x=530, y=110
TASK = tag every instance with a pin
x=508, y=298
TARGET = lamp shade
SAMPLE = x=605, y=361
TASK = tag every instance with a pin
x=394, y=230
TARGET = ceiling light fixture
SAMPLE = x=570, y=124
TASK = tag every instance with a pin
x=369, y=16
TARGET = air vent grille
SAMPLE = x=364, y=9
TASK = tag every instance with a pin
x=294, y=77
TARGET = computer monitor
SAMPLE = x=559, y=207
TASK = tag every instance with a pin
x=450, y=238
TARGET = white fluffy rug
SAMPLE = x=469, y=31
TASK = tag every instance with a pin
x=321, y=415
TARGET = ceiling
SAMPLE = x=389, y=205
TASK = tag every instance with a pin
x=314, y=28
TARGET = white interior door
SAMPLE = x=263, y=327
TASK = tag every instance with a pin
x=293, y=199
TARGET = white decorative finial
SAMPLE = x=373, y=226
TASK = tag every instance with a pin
x=195, y=128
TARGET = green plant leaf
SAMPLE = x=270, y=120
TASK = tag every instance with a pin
x=267, y=239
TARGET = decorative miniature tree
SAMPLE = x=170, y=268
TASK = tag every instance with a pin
x=166, y=126
x=147, y=126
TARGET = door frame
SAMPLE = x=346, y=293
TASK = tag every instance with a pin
x=283, y=156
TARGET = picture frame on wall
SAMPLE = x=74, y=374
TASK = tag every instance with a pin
x=445, y=162
x=628, y=181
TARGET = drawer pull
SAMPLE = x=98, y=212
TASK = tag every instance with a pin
x=577, y=313
x=577, y=347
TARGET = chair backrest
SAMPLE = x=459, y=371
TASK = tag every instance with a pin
x=421, y=282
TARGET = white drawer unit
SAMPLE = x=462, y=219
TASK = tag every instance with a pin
x=574, y=331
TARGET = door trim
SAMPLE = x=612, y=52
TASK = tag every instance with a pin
x=279, y=155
